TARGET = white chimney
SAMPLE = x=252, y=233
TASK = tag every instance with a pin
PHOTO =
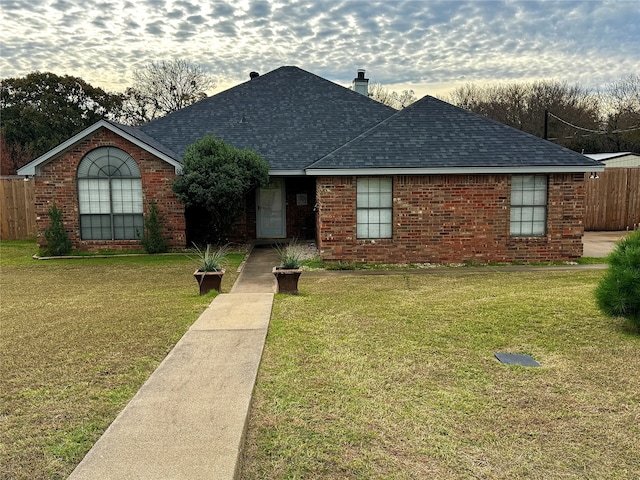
x=361, y=84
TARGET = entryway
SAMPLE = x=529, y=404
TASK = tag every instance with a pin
x=271, y=210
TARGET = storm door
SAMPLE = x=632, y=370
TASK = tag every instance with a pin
x=271, y=210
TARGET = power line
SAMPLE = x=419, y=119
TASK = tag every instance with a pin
x=596, y=132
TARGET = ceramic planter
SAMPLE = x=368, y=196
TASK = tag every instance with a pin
x=208, y=280
x=287, y=279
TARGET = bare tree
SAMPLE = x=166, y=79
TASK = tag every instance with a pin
x=621, y=105
x=164, y=87
x=523, y=106
x=396, y=100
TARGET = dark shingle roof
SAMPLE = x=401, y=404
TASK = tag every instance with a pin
x=289, y=116
x=143, y=137
x=434, y=134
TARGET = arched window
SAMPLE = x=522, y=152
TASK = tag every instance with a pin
x=110, y=195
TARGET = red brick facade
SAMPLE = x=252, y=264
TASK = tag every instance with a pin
x=436, y=218
x=450, y=219
x=57, y=184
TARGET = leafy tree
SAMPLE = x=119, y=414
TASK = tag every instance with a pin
x=58, y=242
x=214, y=182
x=164, y=87
x=392, y=99
x=42, y=110
x=618, y=294
x=153, y=239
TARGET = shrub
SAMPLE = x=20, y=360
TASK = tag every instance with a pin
x=58, y=242
x=618, y=293
x=214, y=182
x=153, y=240
x=210, y=260
x=290, y=254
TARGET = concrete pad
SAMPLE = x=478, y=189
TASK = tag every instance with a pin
x=600, y=244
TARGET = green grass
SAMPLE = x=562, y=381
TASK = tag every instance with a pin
x=77, y=339
x=394, y=377
x=591, y=261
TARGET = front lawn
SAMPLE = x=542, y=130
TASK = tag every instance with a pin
x=77, y=340
x=394, y=377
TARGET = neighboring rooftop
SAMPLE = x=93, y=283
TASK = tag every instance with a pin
x=617, y=159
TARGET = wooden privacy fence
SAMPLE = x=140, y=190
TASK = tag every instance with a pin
x=613, y=200
x=17, y=208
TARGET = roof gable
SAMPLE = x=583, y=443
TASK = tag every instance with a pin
x=129, y=133
x=434, y=135
x=289, y=116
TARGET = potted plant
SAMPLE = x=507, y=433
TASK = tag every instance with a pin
x=289, y=271
x=211, y=267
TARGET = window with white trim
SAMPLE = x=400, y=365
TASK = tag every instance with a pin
x=109, y=195
x=528, y=205
x=374, y=208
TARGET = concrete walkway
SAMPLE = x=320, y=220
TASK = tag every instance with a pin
x=188, y=420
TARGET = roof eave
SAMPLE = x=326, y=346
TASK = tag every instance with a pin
x=287, y=173
x=33, y=167
x=454, y=170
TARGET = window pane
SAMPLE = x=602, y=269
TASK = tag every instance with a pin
x=374, y=230
x=540, y=197
x=127, y=227
x=527, y=197
x=516, y=197
x=528, y=205
x=539, y=214
x=385, y=230
x=127, y=195
x=538, y=228
x=528, y=182
x=374, y=207
x=93, y=196
x=95, y=227
x=385, y=185
x=527, y=214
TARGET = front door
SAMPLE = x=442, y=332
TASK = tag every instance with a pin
x=271, y=210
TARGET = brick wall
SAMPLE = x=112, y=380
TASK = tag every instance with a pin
x=450, y=219
x=57, y=184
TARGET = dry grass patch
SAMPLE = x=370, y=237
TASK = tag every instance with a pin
x=394, y=377
x=78, y=338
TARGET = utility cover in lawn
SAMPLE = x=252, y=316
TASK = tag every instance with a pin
x=516, y=359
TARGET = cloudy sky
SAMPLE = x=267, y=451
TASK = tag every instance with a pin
x=428, y=46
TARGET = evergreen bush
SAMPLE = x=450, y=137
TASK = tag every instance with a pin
x=153, y=239
x=213, y=185
x=618, y=293
x=58, y=242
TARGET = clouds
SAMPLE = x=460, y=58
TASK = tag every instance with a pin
x=413, y=44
